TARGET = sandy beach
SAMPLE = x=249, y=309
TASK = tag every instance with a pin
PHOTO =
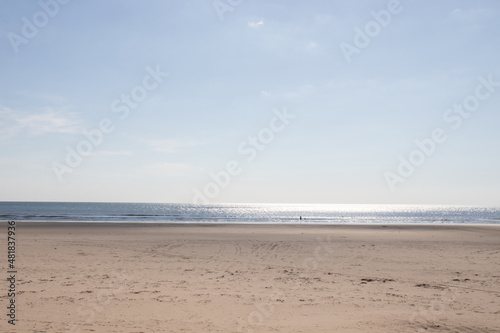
x=88, y=277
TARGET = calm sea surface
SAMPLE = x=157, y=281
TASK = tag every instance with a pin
x=247, y=213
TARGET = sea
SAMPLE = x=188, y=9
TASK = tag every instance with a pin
x=247, y=213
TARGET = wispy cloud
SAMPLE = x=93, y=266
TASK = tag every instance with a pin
x=322, y=19
x=165, y=169
x=112, y=153
x=255, y=24
x=11, y=163
x=46, y=97
x=311, y=46
x=48, y=121
x=13, y=122
x=471, y=14
x=303, y=91
x=171, y=146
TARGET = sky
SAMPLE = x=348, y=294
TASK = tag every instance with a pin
x=225, y=101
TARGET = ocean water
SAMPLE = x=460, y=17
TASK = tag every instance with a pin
x=248, y=213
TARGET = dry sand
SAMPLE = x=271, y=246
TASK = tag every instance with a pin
x=247, y=278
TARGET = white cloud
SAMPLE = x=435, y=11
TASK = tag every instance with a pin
x=472, y=14
x=302, y=91
x=255, y=24
x=112, y=153
x=51, y=98
x=322, y=19
x=14, y=122
x=170, y=146
x=311, y=46
x=48, y=121
x=164, y=169
x=17, y=164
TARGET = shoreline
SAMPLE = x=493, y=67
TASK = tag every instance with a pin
x=31, y=223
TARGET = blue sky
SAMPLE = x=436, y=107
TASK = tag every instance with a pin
x=225, y=70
